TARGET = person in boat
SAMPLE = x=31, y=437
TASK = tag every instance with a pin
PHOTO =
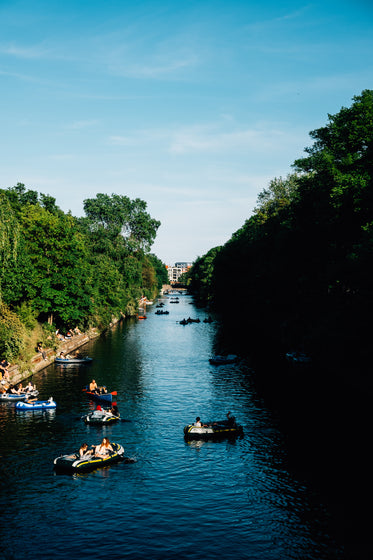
x=114, y=410
x=104, y=448
x=93, y=387
x=231, y=421
x=62, y=356
x=84, y=450
x=18, y=390
x=30, y=387
x=198, y=423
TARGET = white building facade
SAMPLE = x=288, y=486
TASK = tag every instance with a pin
x=174, y=272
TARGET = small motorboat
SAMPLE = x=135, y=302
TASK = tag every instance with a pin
x=220, y=360
x=100, y=417
x=75, y=463
x=36, y=405
x=101, y=396
x=73, y=360
x=13, y=397
x=214, y=430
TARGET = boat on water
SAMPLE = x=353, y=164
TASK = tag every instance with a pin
x=298, y=357
x=75, y=463
x=100, y=417
x=101, y=396
x=36, y=405
x=220, y=360
x=213, y=430
x=73, y=360
x=13, y=397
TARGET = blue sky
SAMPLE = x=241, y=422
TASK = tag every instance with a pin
x=191, y=105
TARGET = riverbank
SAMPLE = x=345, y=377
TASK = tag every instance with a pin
x=37, y=362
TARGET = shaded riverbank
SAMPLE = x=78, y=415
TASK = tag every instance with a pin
x=38, y=363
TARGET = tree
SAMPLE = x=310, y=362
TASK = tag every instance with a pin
x=116, y=215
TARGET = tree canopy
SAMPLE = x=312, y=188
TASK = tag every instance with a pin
x=301, y=259
x=71, y=271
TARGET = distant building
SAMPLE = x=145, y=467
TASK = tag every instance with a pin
x=174, y=272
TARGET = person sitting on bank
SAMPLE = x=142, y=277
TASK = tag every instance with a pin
x=41, y=350
x=104, y=448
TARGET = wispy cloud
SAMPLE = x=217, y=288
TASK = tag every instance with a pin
x=28, y=52
x=80, y=125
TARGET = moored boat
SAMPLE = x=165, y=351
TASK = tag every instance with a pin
x=75, y=463
x=36, y=405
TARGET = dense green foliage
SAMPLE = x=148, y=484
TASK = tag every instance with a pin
x=67, y=271
x=298, y=268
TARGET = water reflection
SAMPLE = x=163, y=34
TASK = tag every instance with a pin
x=233, y=499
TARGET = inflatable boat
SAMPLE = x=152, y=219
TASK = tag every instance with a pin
x=213, y=430
x=36, y=405
x=100, y=397
x=100, y=417
x=74, y=463
x=66, y=361
x=13, y=397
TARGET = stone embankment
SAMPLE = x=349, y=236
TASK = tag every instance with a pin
x=38, y=363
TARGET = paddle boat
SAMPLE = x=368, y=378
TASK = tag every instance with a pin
x=214, y=430
x=75, y=463
x=13, y=397
x=36, y=405
x=100, y=417
x=102, y=396
x=220, y=360
x=73, y=360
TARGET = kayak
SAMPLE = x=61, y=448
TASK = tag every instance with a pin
x=100, y=417
x=36, y=405
x=74, y=463
x=100, y=397
x=85, y=360
x=13, y=397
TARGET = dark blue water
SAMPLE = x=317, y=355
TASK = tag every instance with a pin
x=231, y=500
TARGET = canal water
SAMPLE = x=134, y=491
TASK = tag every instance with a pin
x=202, y=500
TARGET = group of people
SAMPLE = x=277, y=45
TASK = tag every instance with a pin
x=101, y=450
x=69, y=334
x=20, y=389
x=230, y=421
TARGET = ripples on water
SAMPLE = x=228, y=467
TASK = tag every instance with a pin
x=229, y=499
